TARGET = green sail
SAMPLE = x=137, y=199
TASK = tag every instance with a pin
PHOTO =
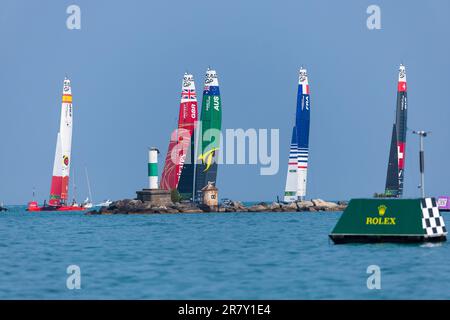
x=208, y=146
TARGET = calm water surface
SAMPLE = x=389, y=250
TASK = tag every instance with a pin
x=207, y=256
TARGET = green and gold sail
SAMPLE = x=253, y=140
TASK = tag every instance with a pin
x=208, y=145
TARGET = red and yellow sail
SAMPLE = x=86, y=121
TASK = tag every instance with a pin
x=59, y=189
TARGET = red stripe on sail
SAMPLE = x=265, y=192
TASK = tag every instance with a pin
x=64, y=188
x=401, y=86
x=401, y=154
x=55, y=191
x=305, y=89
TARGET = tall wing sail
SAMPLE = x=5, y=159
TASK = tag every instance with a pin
x=392, y=180
x=401, y=125
x=180, y=141
x=56, y=185
x=209, y=140
x=302, y=124
x=187, y=121
x=65, y=131
x=290, y=193
x=396, y=171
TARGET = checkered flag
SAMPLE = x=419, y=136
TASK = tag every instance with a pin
x=432, y=222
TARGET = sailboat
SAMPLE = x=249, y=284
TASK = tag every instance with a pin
x=208, y=144
x=178, y=167
x=191, y=163
x=396, y=164
x=105, y=203
x=59, y=190
x=299, y=148
x=88, y=202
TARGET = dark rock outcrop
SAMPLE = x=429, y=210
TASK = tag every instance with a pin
x=129, y=206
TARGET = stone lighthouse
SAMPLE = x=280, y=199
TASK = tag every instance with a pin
x=210, y=197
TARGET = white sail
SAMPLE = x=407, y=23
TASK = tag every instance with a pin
x=290, y=193
x=301, y=187
x=57, y=164
x=66, y=136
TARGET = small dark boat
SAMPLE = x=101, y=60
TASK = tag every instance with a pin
x=443, y=203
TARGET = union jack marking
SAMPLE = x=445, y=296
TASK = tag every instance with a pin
x=189, y=94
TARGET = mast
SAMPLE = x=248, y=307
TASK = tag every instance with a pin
x=290, y=193
x=88, y=184
x=302, y=125
x=422, y=134
x=209, y=137
x=65, y=131
x=197, y=131
x=74, y=188
x=400, y=127
x=181, y=140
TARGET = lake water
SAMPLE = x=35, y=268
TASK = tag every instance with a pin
x=207, y=256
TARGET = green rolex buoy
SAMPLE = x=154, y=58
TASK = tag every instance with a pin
x=390, y=220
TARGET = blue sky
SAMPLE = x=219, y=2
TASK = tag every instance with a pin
x=126, y=65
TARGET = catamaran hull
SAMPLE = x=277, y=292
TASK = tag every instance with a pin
x=33, y=207
x=50, y=209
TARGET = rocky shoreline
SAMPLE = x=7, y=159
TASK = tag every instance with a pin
x=129, y=206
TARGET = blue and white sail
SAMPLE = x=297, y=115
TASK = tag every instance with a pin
x=302, y=124
x=300, y=137
x=290, y=192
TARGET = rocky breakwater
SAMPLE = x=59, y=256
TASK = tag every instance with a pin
x=138, y=207
x=299, y=206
